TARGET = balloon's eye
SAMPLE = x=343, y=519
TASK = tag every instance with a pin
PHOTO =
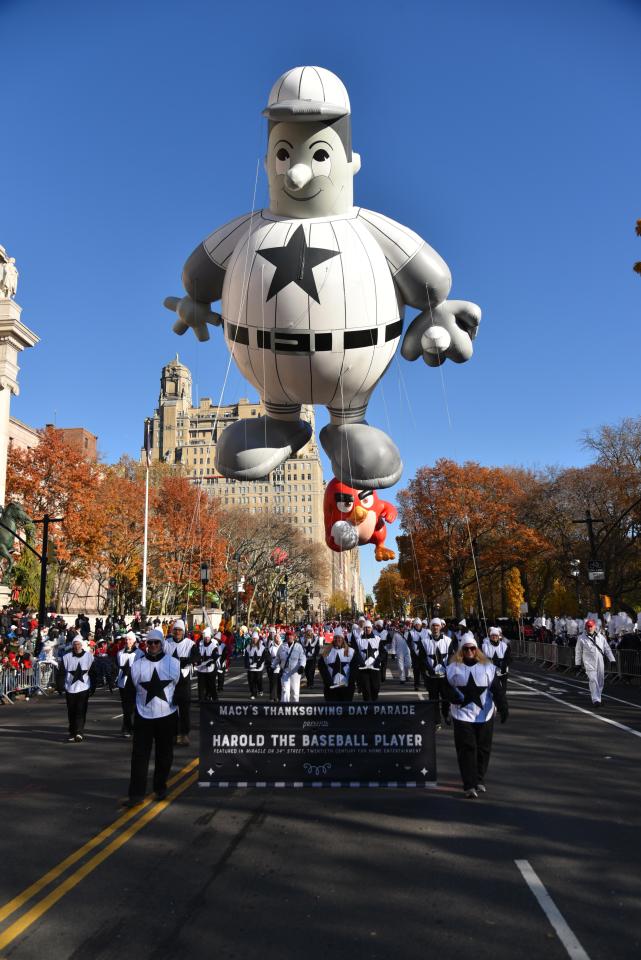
x=345, y=506
x=366, y=500
x=282, y=160
x=321, y=164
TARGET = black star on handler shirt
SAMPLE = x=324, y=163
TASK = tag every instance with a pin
x=471, y=692
x=155, y=687
x=78, y=675
x=294, y=264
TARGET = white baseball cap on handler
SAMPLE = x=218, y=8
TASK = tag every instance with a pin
x=307, y=93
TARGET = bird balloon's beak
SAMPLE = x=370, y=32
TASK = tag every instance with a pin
x=358, y=515
x=298, y=176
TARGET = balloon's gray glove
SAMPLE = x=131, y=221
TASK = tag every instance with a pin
x=443, y=333
x=344, y=535
x=194, y=314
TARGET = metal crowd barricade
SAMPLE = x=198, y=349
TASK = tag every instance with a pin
x=28, y=681
x=552, y=656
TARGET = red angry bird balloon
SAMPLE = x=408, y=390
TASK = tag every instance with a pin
x=354, y=517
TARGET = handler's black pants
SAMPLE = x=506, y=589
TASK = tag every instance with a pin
x=182, y=700
x=77, y=711
x=255, y=680
x=275, y=686
x=416, y=669
x=128, y=703
x=161, y=732
x=207, y=689
x=473, y=742
x=310, y=670
x=370, y=683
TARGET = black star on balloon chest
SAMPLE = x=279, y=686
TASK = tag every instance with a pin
x=295, y=263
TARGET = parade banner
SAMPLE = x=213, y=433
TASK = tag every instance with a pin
x=378, y=744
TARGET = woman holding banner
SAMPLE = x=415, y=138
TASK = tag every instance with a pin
x=335, y=665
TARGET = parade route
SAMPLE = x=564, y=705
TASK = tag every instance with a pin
x=547, y=859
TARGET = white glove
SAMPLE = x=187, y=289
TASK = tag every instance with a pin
x=443, y=333
x=344, y=535
x=194, y=314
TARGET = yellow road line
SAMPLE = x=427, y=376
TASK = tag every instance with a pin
x=19, y=926
x=18, y=901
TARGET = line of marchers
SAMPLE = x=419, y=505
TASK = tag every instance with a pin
x=289, y=740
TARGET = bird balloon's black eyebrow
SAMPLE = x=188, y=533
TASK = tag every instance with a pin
x=365, y=493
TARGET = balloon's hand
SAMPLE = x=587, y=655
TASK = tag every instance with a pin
x=194, y=314
x=443, y=333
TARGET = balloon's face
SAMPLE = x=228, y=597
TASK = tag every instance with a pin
x=308, y=171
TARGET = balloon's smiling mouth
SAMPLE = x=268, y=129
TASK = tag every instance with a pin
x=301, y=199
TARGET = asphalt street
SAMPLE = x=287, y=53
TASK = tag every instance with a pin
x=546, y=862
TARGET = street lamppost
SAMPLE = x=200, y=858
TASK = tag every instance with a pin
x=237, y=559
x=575, y=571
x=204, y=580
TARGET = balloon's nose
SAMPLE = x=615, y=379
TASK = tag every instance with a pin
x=298, y=175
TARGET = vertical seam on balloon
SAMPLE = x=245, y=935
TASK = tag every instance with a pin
x=275, y=355
x=320, y=80
x=309, y=327
x=238, y=223
x=282, y=81
x=369, y=369
x=300, y=81
x=340, y=374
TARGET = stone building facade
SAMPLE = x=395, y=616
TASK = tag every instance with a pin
x=186, y=435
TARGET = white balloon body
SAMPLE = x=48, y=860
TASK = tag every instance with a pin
x=292, y=348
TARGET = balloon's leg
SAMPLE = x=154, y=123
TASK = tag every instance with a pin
x=251, y=449
x=364, y=457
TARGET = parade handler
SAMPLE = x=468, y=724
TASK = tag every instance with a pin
x=313, y=292
x=77, y=677
x=476, y=694
x=590, y=652
x=154, y=677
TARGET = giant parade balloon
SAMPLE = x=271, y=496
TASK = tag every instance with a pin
x=356, y=517
x=313, y=291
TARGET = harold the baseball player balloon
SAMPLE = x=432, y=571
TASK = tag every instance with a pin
x=355, y=517
x=313, y=291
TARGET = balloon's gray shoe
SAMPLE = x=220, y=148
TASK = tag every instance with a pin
x=362, y=456
x=250, y=449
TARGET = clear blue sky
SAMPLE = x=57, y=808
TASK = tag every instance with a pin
x=506, y=134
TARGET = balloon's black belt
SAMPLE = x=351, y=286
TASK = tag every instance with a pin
x=305, y=341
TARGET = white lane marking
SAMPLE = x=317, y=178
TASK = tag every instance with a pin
x=580, y=686
x=117, y=717
x=590, y=713
x=552, y=912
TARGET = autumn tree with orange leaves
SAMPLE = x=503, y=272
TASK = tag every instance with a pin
x=461, y=521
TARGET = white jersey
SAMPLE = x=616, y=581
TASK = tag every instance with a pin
x=77, y=672
x=496, y=654
x=124, y=660
x=208, y=655
x=291, y=659
x=290, y=328
x=476, y=704
x=155, y=682
x=339, y=664
x=180, y=651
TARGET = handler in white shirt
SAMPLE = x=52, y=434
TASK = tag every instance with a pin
x=291, y=659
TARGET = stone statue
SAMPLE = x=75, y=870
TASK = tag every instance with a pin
x=8, y=275
x=12, y=518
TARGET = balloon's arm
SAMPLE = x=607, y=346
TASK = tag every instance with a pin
x=441, y=333
x=203, y=281
x=425, y=279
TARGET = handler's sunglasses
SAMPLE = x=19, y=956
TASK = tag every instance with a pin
x=149, y=642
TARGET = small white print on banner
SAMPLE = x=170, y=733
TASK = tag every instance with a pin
x=316, y=771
